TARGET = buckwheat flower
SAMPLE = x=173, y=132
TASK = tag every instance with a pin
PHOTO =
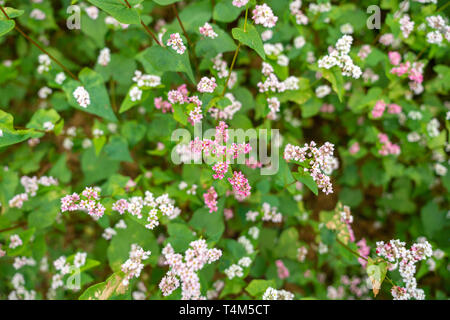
x=282, y=271
x=176, y=43
x=354, y=148
x=133, y=266
x=434, y=37
x=234, y=271
x=44, y=92
x=273, y=294
x=266, y=35
x=433, y=128
x=413, y=137
x=299, y=42
x=220, y=169
x=15, y=241
x=196, y=116
x=92, y=12
x=364, y=51
x=253, y=232
x=121, y=224
x=169, y=283
x=82, y=97
x=274, y=105
x=262, y=14
x=239, y=3
x=283, y=60
x=406, y=25
x=104, y=57
x=18, y=200
x=207, y=31
x=207, y=85
x=394, y=58
x=440, y=169
x=301, y=253
x=378, y=109
x=210, y=198
x=387, y=39
x=320, y=7
x=251, y=215
x=135, y=94
x=322, y=91
x=37, y=14
x=415, y=115
x=108, y=233
x=48, y=126
x=80, y=259
x=120, y=206
x=240, y=185
x=323, y=248
x=266, y=69
x=347, y=28
x=60, y=78
x=273, y=49
x=394, y=108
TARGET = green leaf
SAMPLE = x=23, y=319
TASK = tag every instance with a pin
x=6, y=26
x=225, y=11
x=9, y=135
x=120, y=246
x=376, y=270
x=94, y=84
x=179, y=114
x=257, y=287
x=111, y=289
x=118, y=10
x=334, y=76
x=164, y=59
x=117, y=149
x=41, y=116
x=179, y=236
x=307, y=180
x=211, y=223
x=165, y=2
x=433, y=218
x=251, y=38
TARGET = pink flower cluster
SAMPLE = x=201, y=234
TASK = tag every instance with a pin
x=414, y=72
x=133, y=266
x=176, y=43
x=320, y=162
x=240, y=185
x=208, y=31
x=239, y=3
x=282, y=271
x=380, y=107
x=220, y=169
x=405, y=260
x=210, y=198
x=354, y=148
x=387, y=147
x=363, y=250
x=89, y=202
x=185, y=268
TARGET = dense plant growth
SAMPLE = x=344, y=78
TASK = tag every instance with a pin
x=224, y=149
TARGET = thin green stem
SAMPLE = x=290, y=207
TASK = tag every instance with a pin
x=39, y=46
x=147, y=29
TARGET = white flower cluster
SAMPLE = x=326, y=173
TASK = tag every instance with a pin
x=109, y=232
x=319, y=7
x=31, y=186
x=136, y=204
x=44, y=63
x=146, y=80
x=207, y=85
x=60, y=78
x=44, y=92
x=218, y=285
x=441, y=30
x=63, y=267
x=294, y=8
x=82, y=97
x=20, y=262
x=248, y=246
x=274, y=106
x=433, y=128
x=274, y=294
x=185, y=268
x=263, y=14
x=104, y=57
x=20, y=292
x=406, y=25
x=37, y=14
x=405, y=260
x=92, y=12
x=228, y=112
x=341, y=58
x=322, y=91
x=268, y=214
x=133, y=266
x=208, y=31
x=236, y=270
